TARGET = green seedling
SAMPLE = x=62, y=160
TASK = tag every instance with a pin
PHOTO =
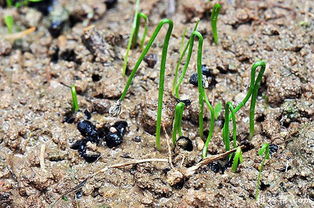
x=265, y=153
x=217, y=110
x=213, y=20
x=238, y=158
x=75, y=106
x=225, y=130
x=252, y=92
x=199, y=74
x=182, y=54
x=202, y=95
x=134, y=35
x=9, y=22
x=177, y=128
x=9, y=3
x=116, y=109
x=65, y=198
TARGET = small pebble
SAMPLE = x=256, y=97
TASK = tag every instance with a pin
x=185, y=143
x=137, y=139
x=273, y=149
x=151, y=60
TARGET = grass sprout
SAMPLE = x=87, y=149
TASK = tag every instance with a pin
x=213, y=21
x=161, y=75
x=237, y=159
x=9, y=22
x=75, y=106
x=202, y=95
x=217, y=110
x=265, y=153
x=182, y=54
x=229, y=110
x=134, y=35
x=177, y=129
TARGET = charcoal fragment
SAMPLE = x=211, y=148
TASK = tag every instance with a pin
x=113, y=139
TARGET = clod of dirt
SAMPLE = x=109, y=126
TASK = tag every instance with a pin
x=95, y=42
x=196, y=8
x=185, y=143
x=280, y=88
x=151, y=60
x=174, y=177
x=148, y=112
x=5, y=47
x=101, y=106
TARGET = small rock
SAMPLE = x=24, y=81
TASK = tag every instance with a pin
x=185, y=143
x=151, y=60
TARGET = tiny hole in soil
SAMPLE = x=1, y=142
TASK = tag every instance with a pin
x=55, y=56
x=260, y=118
x=100, y=96
x=70, y=55
x=111, y=3
x=96, y=77
x=179, y=185
x=69, y=117
x=264, y=186
x=95, y=192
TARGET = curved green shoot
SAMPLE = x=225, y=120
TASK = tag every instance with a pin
x=199, y=75
x=75, y=106
x=225, y=130
x=182, y=54
x=252, y=92
x=265, y=153
x=202, y=95
x=257, y=85
x=161, y=75
x=213, y=20
x=137, y=28
x=238, y=158
x=134, y=34
x=177, y=128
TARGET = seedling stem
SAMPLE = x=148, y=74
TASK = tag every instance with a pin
x=182, y=54
x=238, y=158
x=177, y=122
x=134, y=35
x=265, y=153
x=225, y=131
x=75, y=106
x=162, y=72
x=213, y=20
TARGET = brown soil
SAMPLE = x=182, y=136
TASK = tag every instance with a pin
x=37, y=165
